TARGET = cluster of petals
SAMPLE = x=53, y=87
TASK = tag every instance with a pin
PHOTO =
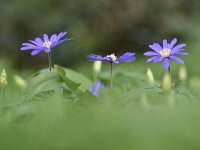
x=95, y=89
x=47, y=44
x=127, y=57
x=166, y=52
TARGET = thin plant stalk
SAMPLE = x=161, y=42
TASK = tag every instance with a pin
x=111, y=78
x=169, y=71
x=50, y=60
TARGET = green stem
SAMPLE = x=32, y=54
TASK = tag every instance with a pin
x=169, y=71
x=111, y=78
x=50, y=61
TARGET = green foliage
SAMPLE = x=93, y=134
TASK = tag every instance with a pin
x=61, y=80
x=57, y=111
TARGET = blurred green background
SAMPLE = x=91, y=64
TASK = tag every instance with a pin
x=135, y=115
x=98, y=26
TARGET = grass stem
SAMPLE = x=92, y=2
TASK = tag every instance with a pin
x=111, y=78
x=50, y=60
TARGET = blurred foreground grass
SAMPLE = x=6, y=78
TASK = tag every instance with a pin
x=54, y=124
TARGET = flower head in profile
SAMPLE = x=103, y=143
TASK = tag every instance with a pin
x=166, y=52
x=47, y=44
x=95, y=89
x=127, y=57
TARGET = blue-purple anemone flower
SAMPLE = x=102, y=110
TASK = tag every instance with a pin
x=47, y=44
x=127, y=57
x=166, y=52
x=95, y=89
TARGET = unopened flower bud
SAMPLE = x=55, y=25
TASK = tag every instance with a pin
x=182, y=73
x=150, y=76
x=166, y=83
x=19, y=81
x=3, y=78
x=97, y=66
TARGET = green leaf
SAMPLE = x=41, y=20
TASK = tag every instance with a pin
x=43, y=82
x=62, y=74
x=71, y=77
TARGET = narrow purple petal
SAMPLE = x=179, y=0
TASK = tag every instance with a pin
x=115, y=61
x=173, y=42
x=178, y=47
x=35, y=52
x=156, y=47
x=158, y=59
x=28, y=44
x=178, y=60
x=53, y=37
x=127, y=57
x=60, y=35
x=166, y=63
x=47, y=50
x=95, y=89
x=165, y=44
x=150, y=53
x=33, y=42
x=93, y=57
x=152, y=59
x=107, y=59
x=61, y=41
x=39, y=41
x=181, y=53
x=46, y=38
x=175, y=52
x=28, y=48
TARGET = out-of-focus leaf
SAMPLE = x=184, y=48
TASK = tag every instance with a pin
x=62, y=74
x=78, y=78
x=43, y=82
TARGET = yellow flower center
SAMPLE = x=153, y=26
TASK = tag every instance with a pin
x=47, y=44
x=112, y=56
x=165, y=52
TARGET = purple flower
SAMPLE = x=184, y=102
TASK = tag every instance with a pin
x=166, y=52
x=127, y=57
x=47, y=44
x=95, y=89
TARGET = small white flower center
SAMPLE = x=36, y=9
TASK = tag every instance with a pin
x=47, y=44
x=112, y=56
x=165, y=52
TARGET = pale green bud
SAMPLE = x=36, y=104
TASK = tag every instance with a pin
x=150, y=77
x=3, y=78
x=97, y=66
x=20, y=81
x=166, y=83
x=182, y=73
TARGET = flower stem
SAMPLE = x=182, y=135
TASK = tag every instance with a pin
x=50, y=61
x=169, y=71
x=111, y=79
